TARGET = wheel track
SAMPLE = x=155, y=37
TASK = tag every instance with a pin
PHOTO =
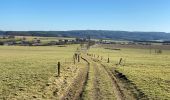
x=133, y=94
x=100, y=86
x=74, y=92
x=117, y=90
x=85, y=83
x=96, y=90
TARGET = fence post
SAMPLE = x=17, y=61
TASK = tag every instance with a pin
x=120, y=61
x=78, y=58
x=75, y=55
x=74, y=59
x=58, y=68
x=108, y=60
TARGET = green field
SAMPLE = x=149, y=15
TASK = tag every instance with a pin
x=26, y=70
x=150, y=72
x=30, y=72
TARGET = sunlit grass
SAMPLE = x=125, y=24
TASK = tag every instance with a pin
x=150, y=72
x=26, y=70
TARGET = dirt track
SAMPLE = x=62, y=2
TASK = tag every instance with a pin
x=94, y=82
x=75, y=90
x=100, y=85
x=117, y=91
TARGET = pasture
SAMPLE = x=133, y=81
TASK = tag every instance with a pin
x=25, y=71
x=30, y=72
x=150, y=72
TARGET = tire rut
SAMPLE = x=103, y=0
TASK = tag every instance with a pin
x=117, y=90
x=74, y=92
x=96, y=90
x=99, y=86
x=100, y=89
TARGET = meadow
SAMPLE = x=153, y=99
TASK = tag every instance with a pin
x=150, y=72
x=30, y=72
x=25, y=71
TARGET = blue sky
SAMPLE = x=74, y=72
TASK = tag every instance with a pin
x=127, y=15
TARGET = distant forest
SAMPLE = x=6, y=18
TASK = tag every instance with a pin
x=95, y=34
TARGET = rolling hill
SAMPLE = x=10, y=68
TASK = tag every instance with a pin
x=96, y=34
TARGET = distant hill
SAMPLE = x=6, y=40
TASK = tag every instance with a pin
x=1, y=32
x=96, y=34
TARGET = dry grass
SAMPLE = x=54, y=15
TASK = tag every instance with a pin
x=150, y=72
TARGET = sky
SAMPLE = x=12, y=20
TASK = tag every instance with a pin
x=57, y=15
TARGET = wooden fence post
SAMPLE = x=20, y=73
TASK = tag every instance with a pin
x=108, y=60
x=75, y=55
x=78, y=58
x=120, y=61
x=59, y=68
x=74, y=60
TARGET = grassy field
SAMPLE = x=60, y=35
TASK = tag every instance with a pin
x=150, y=72
x=25, y=71
x=30, y=72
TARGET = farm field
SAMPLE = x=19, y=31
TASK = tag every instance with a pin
x=149, y=72
x=27, y=71
x=85, y=50
x=30, y=72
